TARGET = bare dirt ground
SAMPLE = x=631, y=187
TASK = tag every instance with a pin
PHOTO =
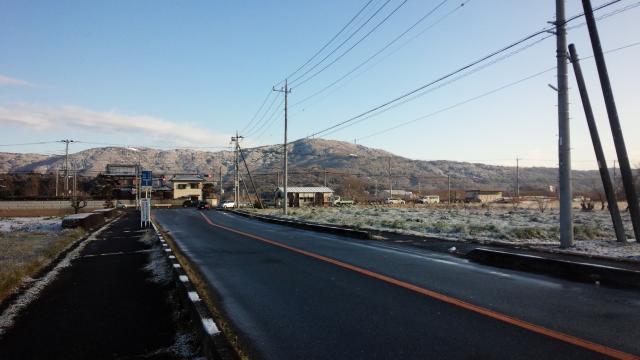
x=524, y=225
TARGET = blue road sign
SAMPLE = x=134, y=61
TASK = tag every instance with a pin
x=147, y=180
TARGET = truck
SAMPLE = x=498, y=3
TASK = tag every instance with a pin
x=338, y=201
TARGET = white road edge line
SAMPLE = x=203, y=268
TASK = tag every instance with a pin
x=210, y=326
x=193, y=296
x=183, y=278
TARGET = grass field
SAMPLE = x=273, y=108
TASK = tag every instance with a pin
x=24, y=253
x=506, y=225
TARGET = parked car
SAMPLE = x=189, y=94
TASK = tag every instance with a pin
x=338, y=201
x=203, y=205
x=428, y=199
x=228, y=204
x=190, y=203
x=391, y=201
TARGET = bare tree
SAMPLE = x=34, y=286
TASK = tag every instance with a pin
x=543, y=203
x=78, y=204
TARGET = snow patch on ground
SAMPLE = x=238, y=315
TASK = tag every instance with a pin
x=158, y=265
x=492, y=225
x=31, y=224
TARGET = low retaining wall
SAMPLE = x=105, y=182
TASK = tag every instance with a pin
x=358, y=234
x=86, y=221
x=573, y=270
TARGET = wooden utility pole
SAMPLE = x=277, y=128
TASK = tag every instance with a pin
x=286, y=92
x=614, y=121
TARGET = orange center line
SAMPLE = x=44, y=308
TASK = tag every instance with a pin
x=602, y=349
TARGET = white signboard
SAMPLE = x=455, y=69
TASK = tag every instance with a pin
x=145, y=211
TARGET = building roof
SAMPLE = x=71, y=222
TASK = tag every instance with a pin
x=187, y=177
x=397, y=192
x=484, y=191
x=306, y=189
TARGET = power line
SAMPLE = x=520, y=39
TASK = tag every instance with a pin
x=455, y=72
x=267, y=124
x=32, y=143
x=252, y=129
x=342, y=43
x=354, y=45
x=504, y=87
x=255, y=116
x=328, y=42
x=417, y=96
x=424, y=17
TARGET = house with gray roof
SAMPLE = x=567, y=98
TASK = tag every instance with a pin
x=305, y=195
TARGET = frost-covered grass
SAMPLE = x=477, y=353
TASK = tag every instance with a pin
x=593, y=230
x=31, y=224
x=29, y=246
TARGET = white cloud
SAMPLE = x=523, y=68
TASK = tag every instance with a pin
x=96, y=124
x=9, y=81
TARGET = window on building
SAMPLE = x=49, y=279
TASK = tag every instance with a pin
x=182, y=186
x=194, y=185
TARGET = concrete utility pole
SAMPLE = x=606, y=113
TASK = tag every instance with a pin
x=253, y=184
x=390, y=180
x=564, y=136
x=221, y=188
x=57, y=179
x=614, y=121
x=325, y=178
x=597, y=147
x=615, y=187
x=449, y=188
x=236, y=178
x=517, y=179
x=286, y=92
x=66, y=165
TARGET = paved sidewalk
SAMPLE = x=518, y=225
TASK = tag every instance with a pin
x=115, y=301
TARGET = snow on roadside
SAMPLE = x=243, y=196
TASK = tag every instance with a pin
x=31, y=224
x=514, y=226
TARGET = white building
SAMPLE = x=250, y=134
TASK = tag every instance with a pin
x=186, y=186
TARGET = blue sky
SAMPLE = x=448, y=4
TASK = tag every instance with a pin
x=166, y=74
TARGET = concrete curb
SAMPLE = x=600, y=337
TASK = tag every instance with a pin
x=212, y=338
x=573, y=270
x=358, y=234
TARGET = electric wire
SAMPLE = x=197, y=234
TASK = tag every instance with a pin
x=474, y=98
x=352, y=46
x=424, y=17
x=255, y=116
x=342, y=43
x=329, y=42
x=252, y=129
x=453, y=73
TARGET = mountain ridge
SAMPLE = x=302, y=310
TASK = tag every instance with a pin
x=310, y=158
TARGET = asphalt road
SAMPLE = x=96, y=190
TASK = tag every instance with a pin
x=293, y=294
x=103, y=306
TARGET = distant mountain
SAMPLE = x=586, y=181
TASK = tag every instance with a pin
x=308, y=161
